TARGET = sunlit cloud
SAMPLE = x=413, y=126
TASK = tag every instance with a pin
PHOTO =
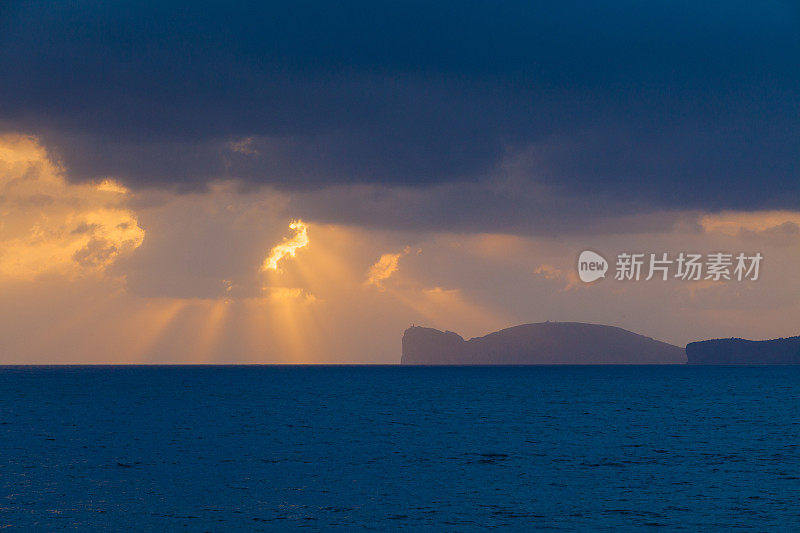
x=112, y=186
x=383, y=269
x=289, y=246
x=49, y=225
x=566, y=278
x=213, y=280
x=548, y=271
x=294, y=294
x=734, y=222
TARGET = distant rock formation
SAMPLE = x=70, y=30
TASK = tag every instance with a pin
x=744, y=352
x=538, y=344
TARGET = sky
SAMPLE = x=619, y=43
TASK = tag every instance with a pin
x=300, y=182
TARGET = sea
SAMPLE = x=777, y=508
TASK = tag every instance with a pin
x=377, y=448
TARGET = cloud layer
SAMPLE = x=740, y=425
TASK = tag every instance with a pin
x=448, y=161
x=52, y=227
x=657, y=105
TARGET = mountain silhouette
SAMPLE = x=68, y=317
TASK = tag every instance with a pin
x=743, y=352
x=535, y=344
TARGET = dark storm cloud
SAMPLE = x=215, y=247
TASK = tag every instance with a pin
x=662, y=104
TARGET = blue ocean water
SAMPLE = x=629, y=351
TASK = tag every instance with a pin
x=415, y=448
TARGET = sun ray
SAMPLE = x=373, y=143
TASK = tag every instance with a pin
x=289, y=314
x=449, y=308
x=149, y=326
x=216, y=314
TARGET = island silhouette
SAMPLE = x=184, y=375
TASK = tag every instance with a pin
x=544, y=343
x=549, y=343
x=783, y=351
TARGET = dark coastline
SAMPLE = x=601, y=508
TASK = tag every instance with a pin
x=575, y=343
x=784, y=351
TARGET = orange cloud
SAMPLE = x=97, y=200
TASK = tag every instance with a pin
x=384, y=268
x=288, y=247
x=49, y=225
x=548, y=271
x=734, y=222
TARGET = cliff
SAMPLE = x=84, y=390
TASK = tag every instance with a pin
x=535, y=344
x=744, y=352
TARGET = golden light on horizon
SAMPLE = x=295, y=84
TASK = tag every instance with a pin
x=293, y=299
x=451, y=309
x=288, y=247
x=59, y=233
x=214, y=315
